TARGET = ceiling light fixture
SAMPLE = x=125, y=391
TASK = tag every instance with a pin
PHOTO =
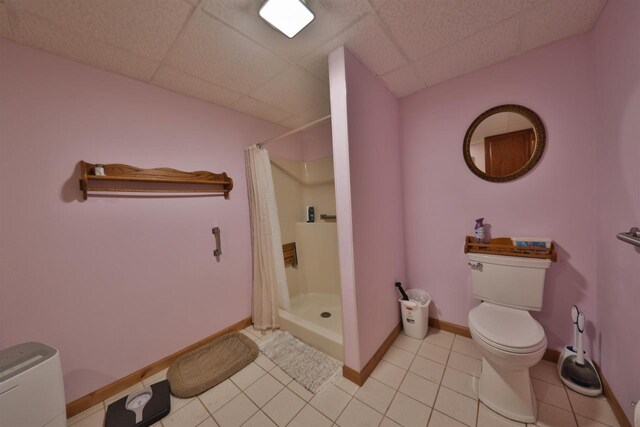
x=287, y=16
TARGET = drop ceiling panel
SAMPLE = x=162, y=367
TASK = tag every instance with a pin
x=145, y=27
x=243, y=15
x=181, y=82
x=260, y=109
x=470, y=54
x=558, y=19
x=221, y=51
x=217, y=53
x=294, y=122
x=284, y=91
x=424, y=26
x=402, y=81
x=38, y=32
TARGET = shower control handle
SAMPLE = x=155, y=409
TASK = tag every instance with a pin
x=476, y=266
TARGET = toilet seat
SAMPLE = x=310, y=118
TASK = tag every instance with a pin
x=507, y=329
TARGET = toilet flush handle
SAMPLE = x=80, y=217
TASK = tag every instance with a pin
x=476, y=266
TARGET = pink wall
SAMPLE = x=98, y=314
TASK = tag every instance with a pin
x=84, y=276
x=442, y=198
x=373, y=115
x=316, y=142
x=617, y=151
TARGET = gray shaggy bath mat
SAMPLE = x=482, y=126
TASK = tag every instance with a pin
x=310, y=367
x=206, y=367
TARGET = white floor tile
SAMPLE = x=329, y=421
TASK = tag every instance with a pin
x=298, y=389
x=427, y=369
x=440, y=338
x=247, y=376
x=264, y=362
x=461, y=382
x=457, y=406
x=331, y=401
x=236, y=412
x=215, y=398
x=420, y=389
x=280, y=375
x=434, y=352
x=259, y=419
x=96, y=419
x=552, y=416
x=465, y=364
x=282, y=408
x=209, y=422
x=155, y=378
x=190, y=415
x=438, y=419
x=84, y=414
x=407, y=343
x=596, y=408
x=386, y=422
x=488, y=418
x=546, y=371
x=357, y=414
x=177, y=402
x=388, y=374
x=588, y=422
x=552, y=394
x=376, y=394
x=263, y=390
x=398, y=357
x=408, y=412
x=466, y=346
x=346, y=385
x=310, y=417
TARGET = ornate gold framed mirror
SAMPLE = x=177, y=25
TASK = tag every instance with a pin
x=504, y=143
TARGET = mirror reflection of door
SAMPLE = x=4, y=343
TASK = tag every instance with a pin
x=506, y=153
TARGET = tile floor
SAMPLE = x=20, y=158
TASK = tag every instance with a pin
x=430, y=382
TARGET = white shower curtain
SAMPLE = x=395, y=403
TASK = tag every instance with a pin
x=270, y=289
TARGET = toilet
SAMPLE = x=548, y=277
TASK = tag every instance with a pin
x=509, y=339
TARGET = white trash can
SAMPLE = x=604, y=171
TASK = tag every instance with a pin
x=415, y=313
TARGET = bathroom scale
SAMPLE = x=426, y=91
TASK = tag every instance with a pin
x=141, y=408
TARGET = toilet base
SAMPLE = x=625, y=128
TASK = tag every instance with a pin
x=508, y=392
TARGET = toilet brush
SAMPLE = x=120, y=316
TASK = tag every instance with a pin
x=574, y=366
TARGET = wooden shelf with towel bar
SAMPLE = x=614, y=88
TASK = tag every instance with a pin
x=130, y=179
x=504, y=246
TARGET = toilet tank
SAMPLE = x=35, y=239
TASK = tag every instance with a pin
x=516, y=282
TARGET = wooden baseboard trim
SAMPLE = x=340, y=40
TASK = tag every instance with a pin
x=93, y=398
x=449, y=327
x=360, y=377
x=613, y=400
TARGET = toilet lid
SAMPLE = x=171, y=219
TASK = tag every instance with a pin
x=508, y=328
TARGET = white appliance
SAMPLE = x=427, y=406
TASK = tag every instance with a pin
x=510, y=340
x=31, y=387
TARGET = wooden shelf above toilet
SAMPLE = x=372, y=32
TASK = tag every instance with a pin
x=131, y=179
x=504, y=246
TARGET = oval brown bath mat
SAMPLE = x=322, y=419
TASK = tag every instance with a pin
x=206, y=367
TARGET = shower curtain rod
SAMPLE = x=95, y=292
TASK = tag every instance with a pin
x=301, y=128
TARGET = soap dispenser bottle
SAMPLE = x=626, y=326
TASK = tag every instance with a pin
x=479, y=230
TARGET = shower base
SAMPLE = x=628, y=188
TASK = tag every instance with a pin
x=307, y=320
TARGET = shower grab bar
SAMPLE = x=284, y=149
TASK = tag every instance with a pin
x=218, y=250
x=325, y=216
x=632, y=237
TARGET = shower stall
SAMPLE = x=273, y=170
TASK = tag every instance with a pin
x=302, y=169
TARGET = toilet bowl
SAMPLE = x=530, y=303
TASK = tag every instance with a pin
x=510, y=342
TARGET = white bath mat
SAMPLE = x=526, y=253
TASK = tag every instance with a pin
x=310, y=367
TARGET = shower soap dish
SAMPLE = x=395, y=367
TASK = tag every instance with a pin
x=141, y=408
